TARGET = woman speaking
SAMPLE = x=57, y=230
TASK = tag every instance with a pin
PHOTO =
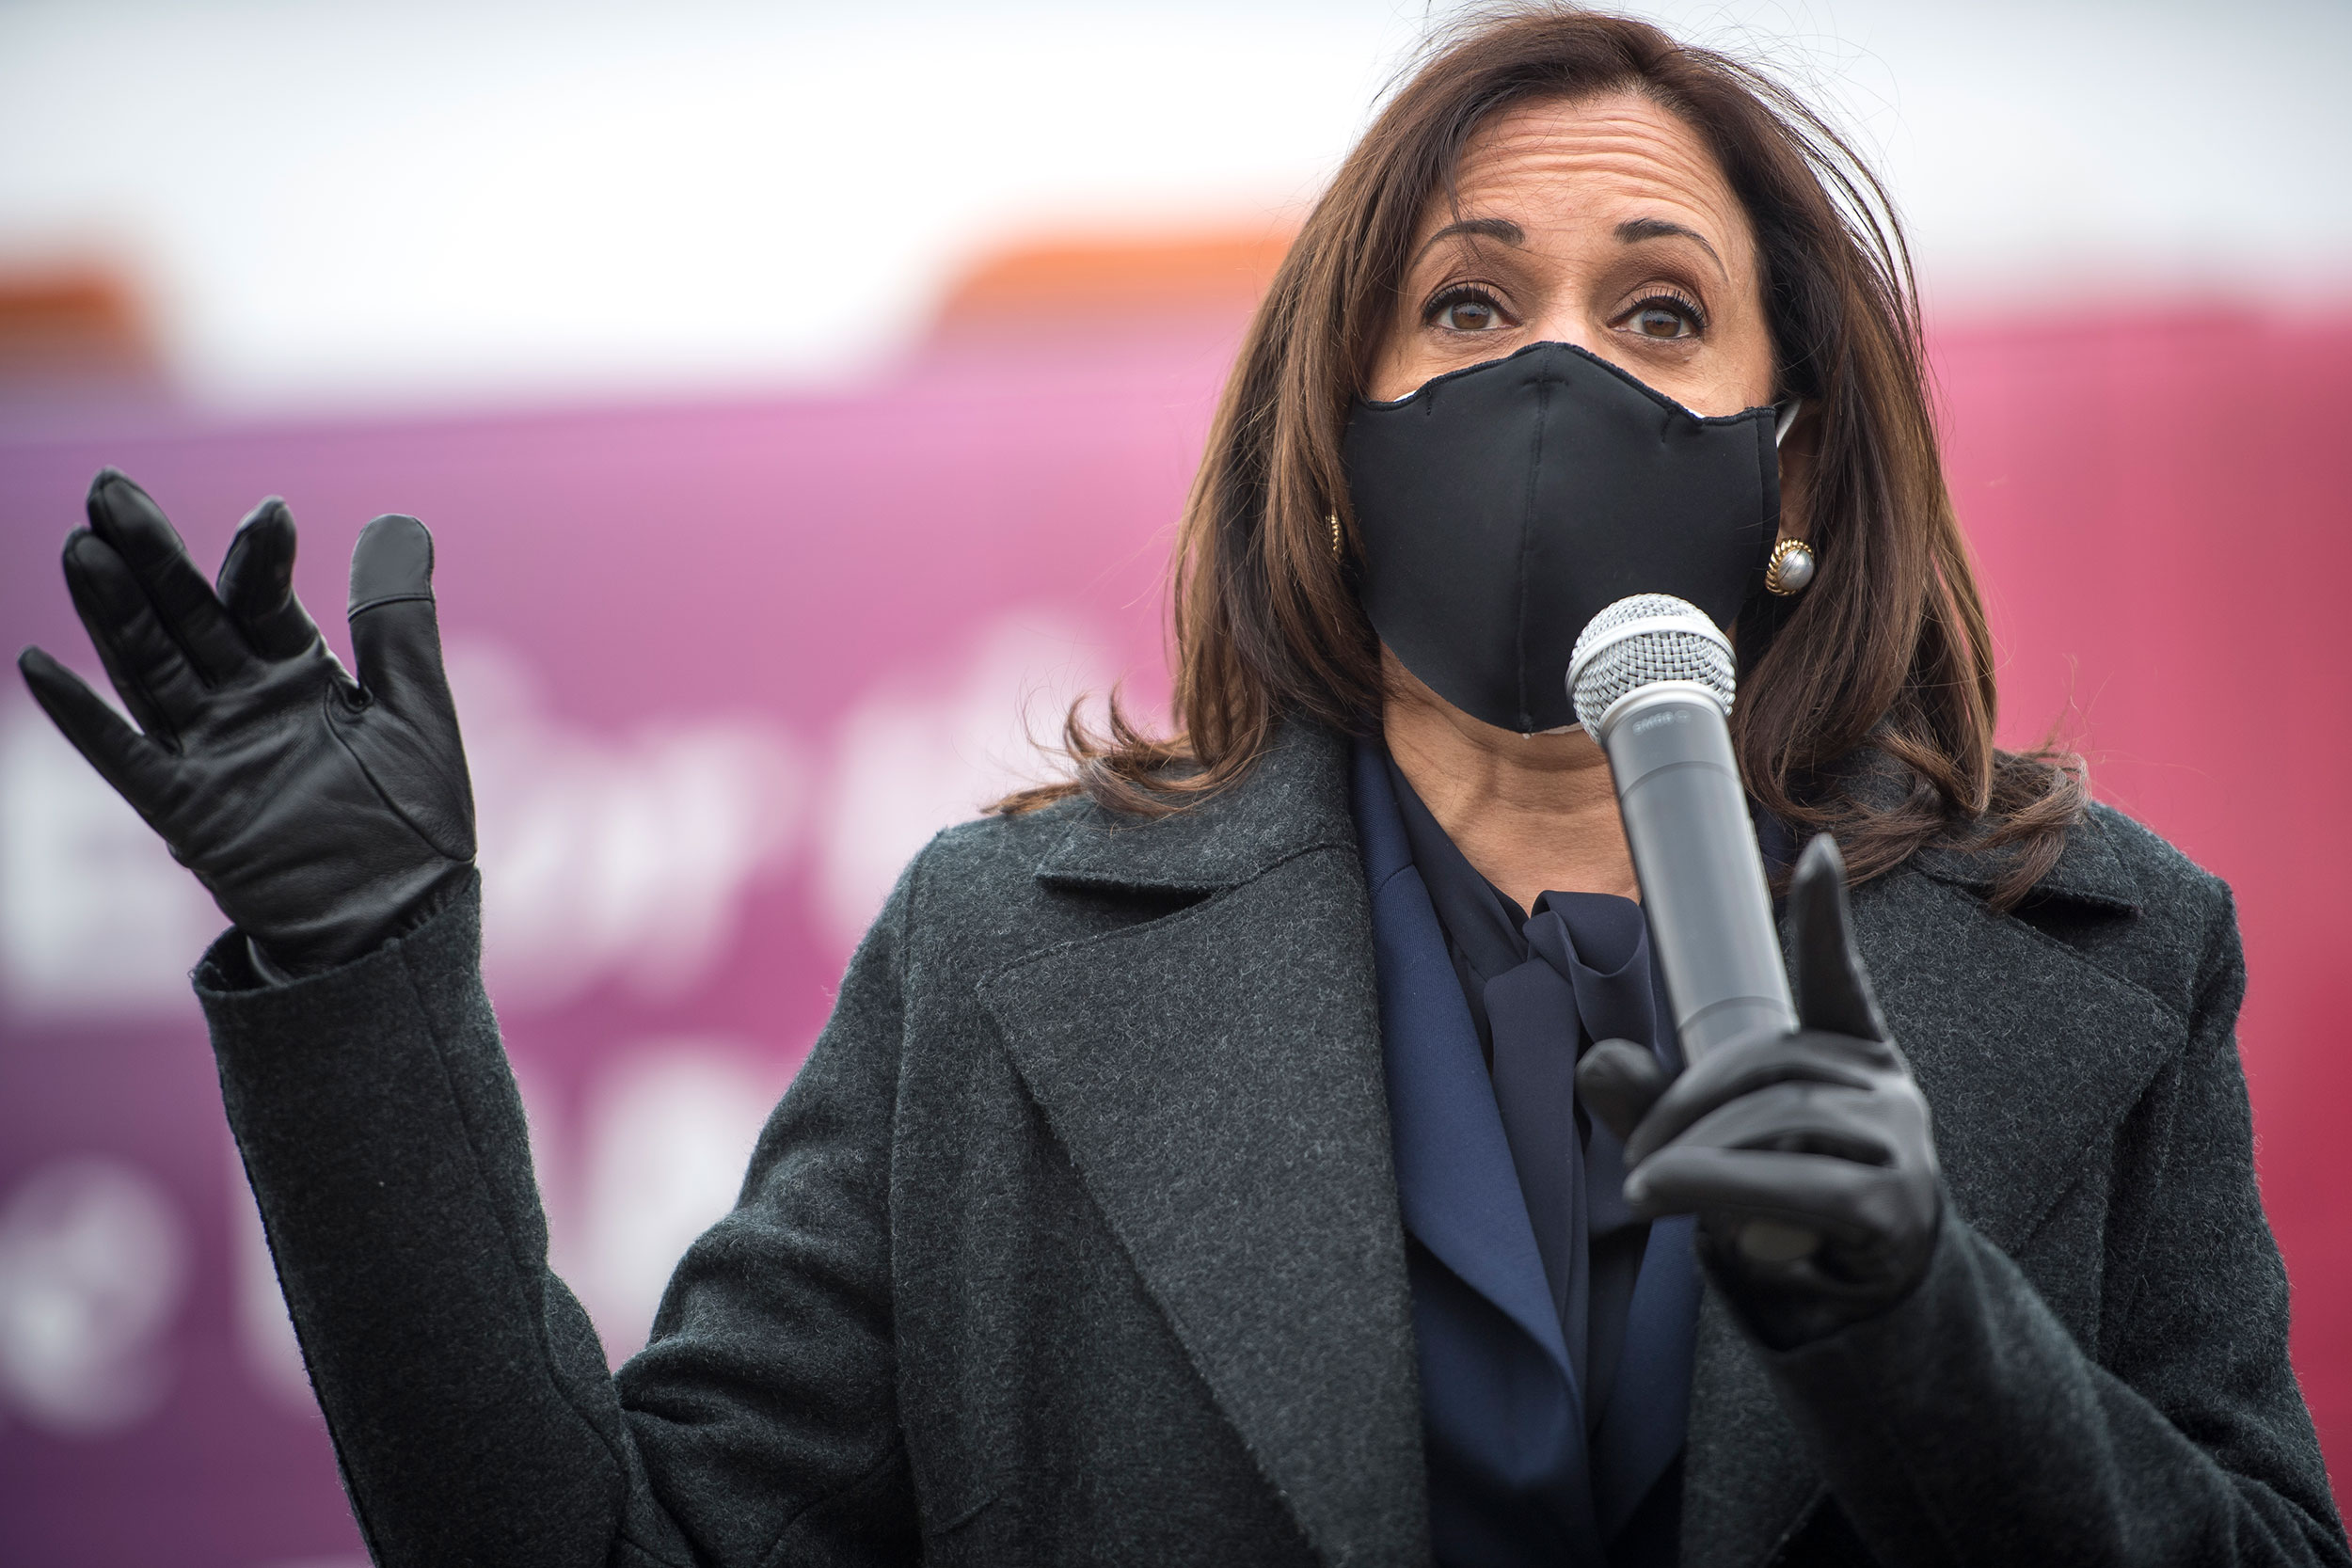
x=1272, y=1145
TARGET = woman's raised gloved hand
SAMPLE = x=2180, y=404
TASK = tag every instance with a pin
x=323, y=814
x=1806, y=1155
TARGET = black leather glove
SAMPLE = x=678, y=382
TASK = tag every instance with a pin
x=1806, y=1155
x=322, y=814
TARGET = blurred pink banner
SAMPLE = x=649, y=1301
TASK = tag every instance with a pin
x=722, y=669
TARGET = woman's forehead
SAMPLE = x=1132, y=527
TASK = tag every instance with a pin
x=1561, y=163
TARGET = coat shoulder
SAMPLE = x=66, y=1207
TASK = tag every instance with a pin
x=2165, y=876
x=2186, y=949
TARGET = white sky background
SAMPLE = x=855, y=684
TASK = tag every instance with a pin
x=368, y=204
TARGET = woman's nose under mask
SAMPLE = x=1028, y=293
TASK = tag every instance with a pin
x=1501, y=507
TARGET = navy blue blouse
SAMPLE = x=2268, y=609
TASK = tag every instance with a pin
x=1554, y=1329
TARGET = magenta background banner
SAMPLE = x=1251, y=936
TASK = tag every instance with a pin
x=723, y=668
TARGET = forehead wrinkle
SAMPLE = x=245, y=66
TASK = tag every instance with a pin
x=1627, y=162
x=1619, y=159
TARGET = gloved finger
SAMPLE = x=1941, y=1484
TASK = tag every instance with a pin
x=1620, y=1081
x=394, y=633
x=126, y=759
x=408, y=737
x=147, y=668
x=256, y=584
x=1798, y=1118
x=127, y=518
x=1745, y=1066
x=1844, y=1202
x=1833, y=989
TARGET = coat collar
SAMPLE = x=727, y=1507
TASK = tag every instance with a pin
x=1293, y=801
x=2090, y=870
x=1215, y=1075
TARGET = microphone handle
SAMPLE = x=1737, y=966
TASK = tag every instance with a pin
x=1703, y=888
x=1686, y=820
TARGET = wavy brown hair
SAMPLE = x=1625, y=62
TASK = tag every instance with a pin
x=1866, y=704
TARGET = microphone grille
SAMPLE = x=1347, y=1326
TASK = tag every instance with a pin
x=1641, y=641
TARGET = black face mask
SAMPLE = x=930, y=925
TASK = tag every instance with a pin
x=1504, y=506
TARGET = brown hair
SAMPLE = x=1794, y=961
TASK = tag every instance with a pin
x=1886, y=659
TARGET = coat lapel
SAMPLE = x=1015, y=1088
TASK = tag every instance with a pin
x=1459, y=1190
x=2029, y=1054
x=1215, y=1078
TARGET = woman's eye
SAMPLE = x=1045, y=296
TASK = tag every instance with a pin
x=1664, y=319
x=1466, y=314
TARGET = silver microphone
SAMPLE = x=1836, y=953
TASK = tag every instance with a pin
x=1652, y=679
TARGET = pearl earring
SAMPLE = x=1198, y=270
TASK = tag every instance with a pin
x=1792, y=569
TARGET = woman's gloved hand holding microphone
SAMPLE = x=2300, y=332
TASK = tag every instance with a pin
x=1819, y=1129
x=325, y=815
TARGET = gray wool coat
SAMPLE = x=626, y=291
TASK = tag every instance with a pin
x=1076, y=1241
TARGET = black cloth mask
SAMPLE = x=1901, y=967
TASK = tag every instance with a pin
x=1501, y=507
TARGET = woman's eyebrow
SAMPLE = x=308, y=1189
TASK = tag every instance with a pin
x=1491, y=228
x=1635, y=230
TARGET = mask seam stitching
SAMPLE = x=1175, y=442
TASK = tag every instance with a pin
x=1527, y=545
